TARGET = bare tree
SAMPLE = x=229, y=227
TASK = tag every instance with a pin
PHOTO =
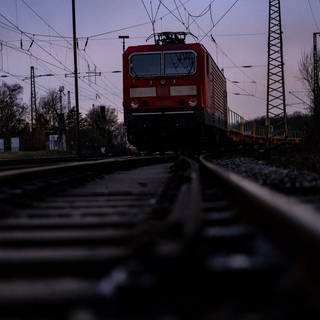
x=49, y=110
x=306, y=73
x=306, y=69
x=100, y=124
x=71, y=128
x=12, y=111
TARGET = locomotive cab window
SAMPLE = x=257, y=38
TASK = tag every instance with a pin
x=179, y=63
x=145, y=64
x=167, y=63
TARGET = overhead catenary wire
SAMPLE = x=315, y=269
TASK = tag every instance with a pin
x=57, y=40
x=82, y=55
x=313, y=15
x=219, y=47
x=60, y=37
x=30, y=38
x=203, y=13
x=13, y=28
x=172, y=13
x=89, y=91
x=43, y=20
x=220, y=19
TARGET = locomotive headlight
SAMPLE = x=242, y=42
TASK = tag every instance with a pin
x=134, y=104
x=192, y=102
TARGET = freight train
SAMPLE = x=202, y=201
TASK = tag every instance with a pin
x=174, y=94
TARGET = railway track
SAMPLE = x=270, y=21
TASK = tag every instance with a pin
x=153, y=238
x=23, y=163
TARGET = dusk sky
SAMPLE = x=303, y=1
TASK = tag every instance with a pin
x=39, y=33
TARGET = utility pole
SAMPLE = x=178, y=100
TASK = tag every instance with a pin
x=316, y=89
x=76, y=87
x=62, y=136
x=69, y=101
x=123, y=42
x=276, y=115
x=33, y=99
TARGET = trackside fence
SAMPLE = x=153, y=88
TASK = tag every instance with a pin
x=240, y=129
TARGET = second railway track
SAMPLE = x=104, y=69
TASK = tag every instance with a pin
x=110, y=240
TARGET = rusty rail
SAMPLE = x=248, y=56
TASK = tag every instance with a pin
x=295, y=224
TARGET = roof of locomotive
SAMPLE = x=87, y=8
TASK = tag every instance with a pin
x=164, y=47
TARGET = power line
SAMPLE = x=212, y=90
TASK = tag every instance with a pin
x=92, y=36
x=44, y=21
x=28, y=53
x=240, y=34
x=31, y=39
x=313, y=15
x=223, y=52
x=220, y=19
x=65, y=68
x=194, y=21
x=204, y=12
x=171, y=12
x=96, y=37
x=89, y=91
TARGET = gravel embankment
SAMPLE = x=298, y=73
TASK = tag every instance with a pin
x=269, y=175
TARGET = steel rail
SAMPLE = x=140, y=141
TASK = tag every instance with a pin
x=295, y=224
x=108, y=164
x=173, y=234
x=187, y=207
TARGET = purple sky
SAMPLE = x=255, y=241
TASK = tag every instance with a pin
x=241, y=39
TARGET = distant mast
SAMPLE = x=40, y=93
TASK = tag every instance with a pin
x=276, y=116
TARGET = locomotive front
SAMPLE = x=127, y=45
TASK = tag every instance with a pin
x=162, y=94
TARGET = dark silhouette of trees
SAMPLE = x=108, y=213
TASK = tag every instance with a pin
x=99, y=127
x=71, y=128
x=13, y=112
x=48, y=111
x=100, y=131
x=306, y=68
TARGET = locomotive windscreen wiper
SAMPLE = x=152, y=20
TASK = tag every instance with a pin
x=133, y=71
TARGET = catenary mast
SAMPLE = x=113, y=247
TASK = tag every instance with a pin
x=276, y=117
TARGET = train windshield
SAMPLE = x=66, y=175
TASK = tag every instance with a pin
x=163, y=63
x=179, y=63
x=145, y=64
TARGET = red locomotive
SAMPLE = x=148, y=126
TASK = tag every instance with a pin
x=174, y=94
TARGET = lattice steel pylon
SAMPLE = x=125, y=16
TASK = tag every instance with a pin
x=33, y=98
x=276, y=117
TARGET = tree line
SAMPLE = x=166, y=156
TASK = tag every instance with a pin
x=100, y=130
